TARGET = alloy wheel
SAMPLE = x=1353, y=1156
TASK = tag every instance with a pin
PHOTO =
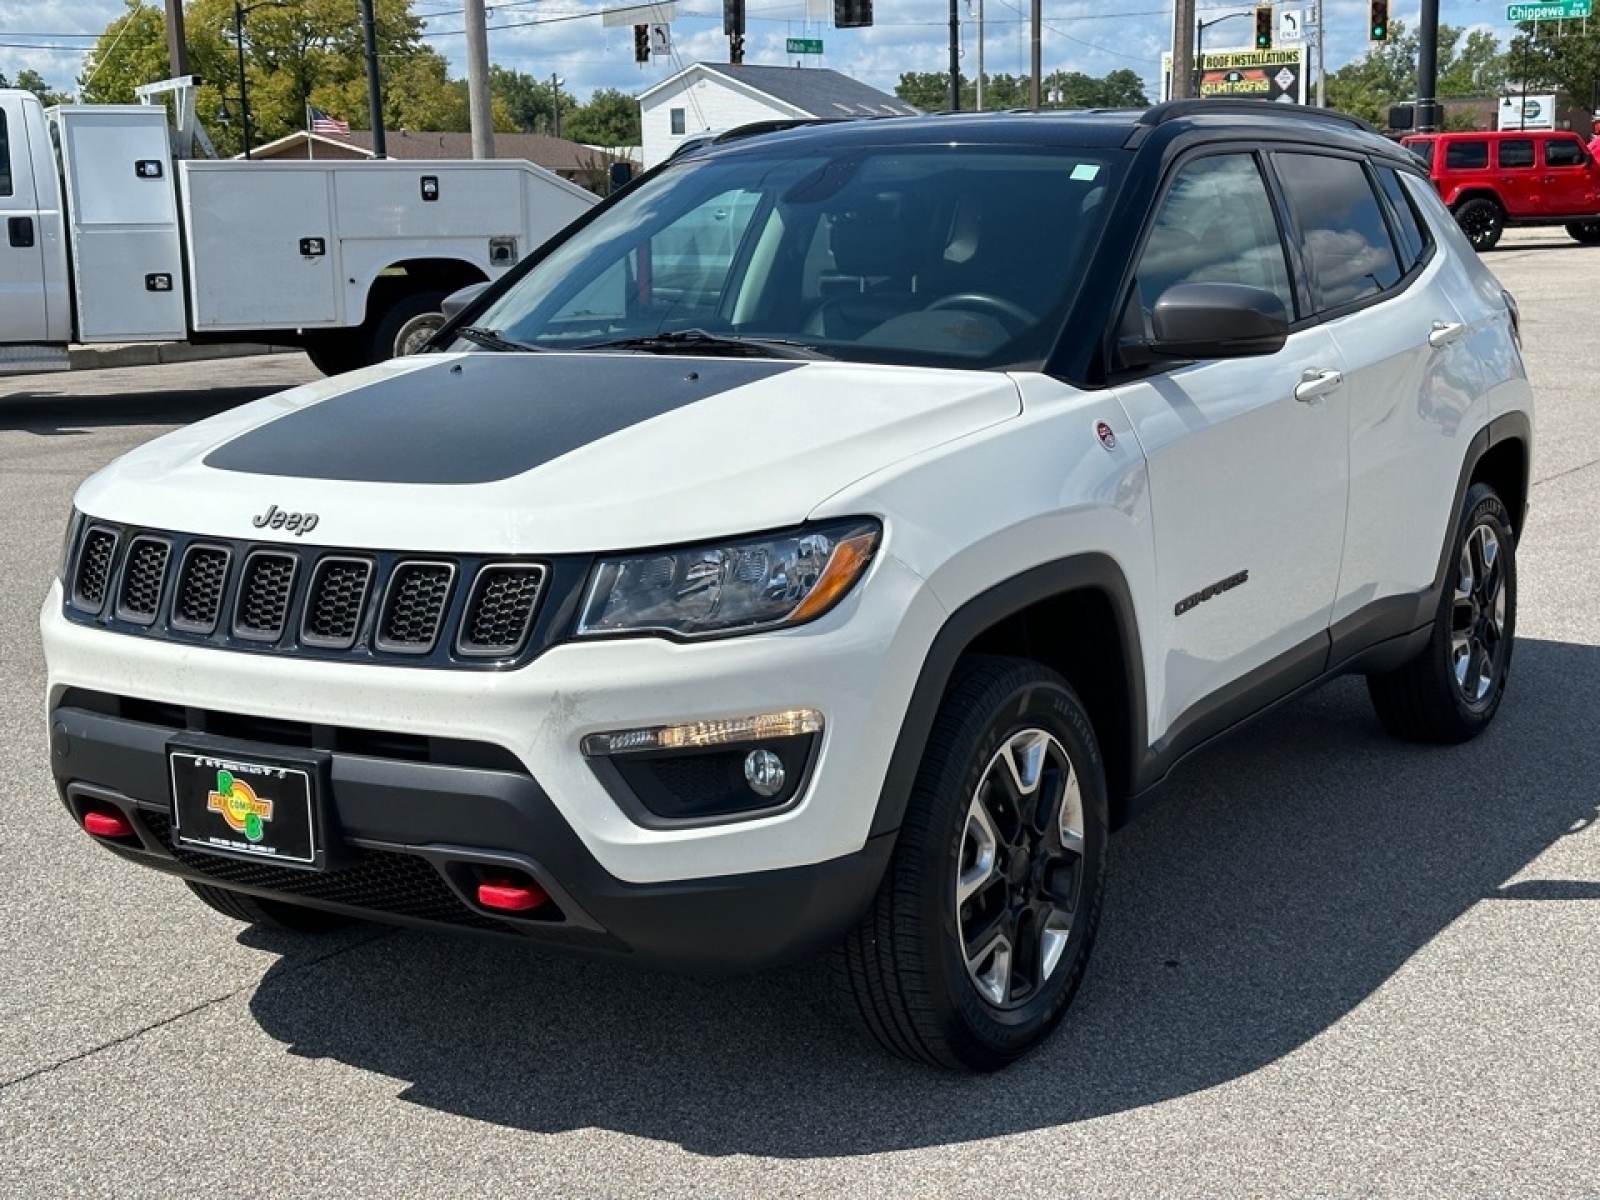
x=1477, y=638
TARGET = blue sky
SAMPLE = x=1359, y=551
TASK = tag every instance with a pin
x=910, y=35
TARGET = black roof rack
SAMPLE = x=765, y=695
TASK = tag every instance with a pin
x=1172, y=110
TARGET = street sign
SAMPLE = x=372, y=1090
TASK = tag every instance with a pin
x=661, y=41
x=1556, y=10
x=810, y=45
x=1291, y=25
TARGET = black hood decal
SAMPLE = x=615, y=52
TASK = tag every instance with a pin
x=480, y=418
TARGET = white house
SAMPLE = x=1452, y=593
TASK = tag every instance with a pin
x=721, y=96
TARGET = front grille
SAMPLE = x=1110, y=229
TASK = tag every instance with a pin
x=200, y=583
x=94, y=569
x=380, y=881
x=370, y=605
x=338, y=599
x=265, y=588
x=142, y=576
x=414, y=607
x=500, y=609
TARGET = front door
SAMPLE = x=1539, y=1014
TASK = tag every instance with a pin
x=22, y=291
x=1248, y=461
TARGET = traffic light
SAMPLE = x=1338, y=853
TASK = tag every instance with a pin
x=1264, y=26
x=852, y=14
x=1378, y=21
x=641, y=43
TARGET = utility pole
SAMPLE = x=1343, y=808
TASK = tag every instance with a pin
x=980, y=55
x=177, y=44
x=1035, y=71
x=555, y=103
x=955, y=58
x=479, y=106
x=380, y=148
x=1183, y=64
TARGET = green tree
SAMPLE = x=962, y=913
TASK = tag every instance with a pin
x=297, y=53
x=611, y=118
x=1563, y=55
x=32, y=81
x=930, y=90
x=1470, y=64
x=529, y=102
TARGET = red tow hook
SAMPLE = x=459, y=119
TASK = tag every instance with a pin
x=104, y=824
x=507, y=896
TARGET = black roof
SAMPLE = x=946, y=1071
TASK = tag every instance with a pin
x=816, y=90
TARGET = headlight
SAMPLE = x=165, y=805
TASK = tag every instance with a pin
x=729, y=587
x=74, y=524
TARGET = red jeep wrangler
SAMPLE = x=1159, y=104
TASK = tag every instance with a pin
x=1528, y=177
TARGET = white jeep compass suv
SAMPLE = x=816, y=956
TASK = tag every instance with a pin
x=822, y=545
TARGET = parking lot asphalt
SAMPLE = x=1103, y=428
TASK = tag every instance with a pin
x=1329, y=964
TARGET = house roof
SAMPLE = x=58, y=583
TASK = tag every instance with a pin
x=551, y=153
x=815, y=91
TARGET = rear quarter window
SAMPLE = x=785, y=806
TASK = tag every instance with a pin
x=1466, y=156
x=1411, y=232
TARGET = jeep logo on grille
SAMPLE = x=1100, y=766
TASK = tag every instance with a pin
x=298, y=524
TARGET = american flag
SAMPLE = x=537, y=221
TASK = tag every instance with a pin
x=321, y=122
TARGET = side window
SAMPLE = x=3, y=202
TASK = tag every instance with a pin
x=676, y=115
x=1563, y=152
x=1466, y=156
x=5, y=158
x=1410, y=231
x=1516, y=152
x=1347, y=247
x=1215, y=225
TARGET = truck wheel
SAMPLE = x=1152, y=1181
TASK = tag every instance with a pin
x=981, y=928
x=1483, y=221
x=274, y=914
x=1587, y=232
x=406, y=325
x=1449, y=693
x=337, y=351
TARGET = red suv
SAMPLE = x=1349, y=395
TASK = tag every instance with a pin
x=1528, y=177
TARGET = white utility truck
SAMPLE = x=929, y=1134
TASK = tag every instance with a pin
x=109, y=238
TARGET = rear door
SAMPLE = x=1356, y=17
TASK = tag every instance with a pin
x=1569, y=179
x=22, y=284
x=1519, y=175
x=1247, y=461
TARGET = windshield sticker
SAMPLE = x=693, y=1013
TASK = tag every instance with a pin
x=1085, y=171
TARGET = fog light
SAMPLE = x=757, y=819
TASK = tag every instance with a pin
x=763, y=771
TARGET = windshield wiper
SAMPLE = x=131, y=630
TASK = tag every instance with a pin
x=490, y=340
x=698, y=341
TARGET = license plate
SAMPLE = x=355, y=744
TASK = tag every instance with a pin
x=247, y=807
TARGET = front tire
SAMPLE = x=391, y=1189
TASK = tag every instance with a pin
x=273, y=914
x=981, y=930
x=1587, y=232
x=1450, y=691
x=1483, y=221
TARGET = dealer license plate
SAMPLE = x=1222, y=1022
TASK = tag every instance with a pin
x=246, y=807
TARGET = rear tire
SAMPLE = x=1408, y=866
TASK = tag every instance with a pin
x=1483, y=221
x=1587, y=232
x=981, y=929
x=274, y=914
x=1450, y=692
x=407, y=323
x=338, y=350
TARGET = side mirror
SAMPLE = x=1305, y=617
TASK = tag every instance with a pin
x=456, y=301
x=1217, y=320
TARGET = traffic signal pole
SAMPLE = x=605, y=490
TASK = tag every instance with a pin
x=1428, y=67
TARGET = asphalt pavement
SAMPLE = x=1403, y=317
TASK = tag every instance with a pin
x=1329, y=964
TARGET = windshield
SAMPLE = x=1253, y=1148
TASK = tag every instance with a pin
x=939, y=255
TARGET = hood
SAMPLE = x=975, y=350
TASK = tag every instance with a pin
x=543, y=453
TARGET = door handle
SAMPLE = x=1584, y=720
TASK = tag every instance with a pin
x=1315, y=384
x=19, y=230
x=1445, y=332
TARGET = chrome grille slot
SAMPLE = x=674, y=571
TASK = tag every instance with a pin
x=414, y=607
x=91, y=579
x=201, y=580
x=266, y=587
x=500, y=610
x=144, y=571
x=335, y=602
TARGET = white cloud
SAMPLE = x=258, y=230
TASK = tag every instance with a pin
x=910, y=36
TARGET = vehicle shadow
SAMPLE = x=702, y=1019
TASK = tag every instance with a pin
x=41, y=411
x=1290, y=872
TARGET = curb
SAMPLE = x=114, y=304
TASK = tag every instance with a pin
x=149, y=354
